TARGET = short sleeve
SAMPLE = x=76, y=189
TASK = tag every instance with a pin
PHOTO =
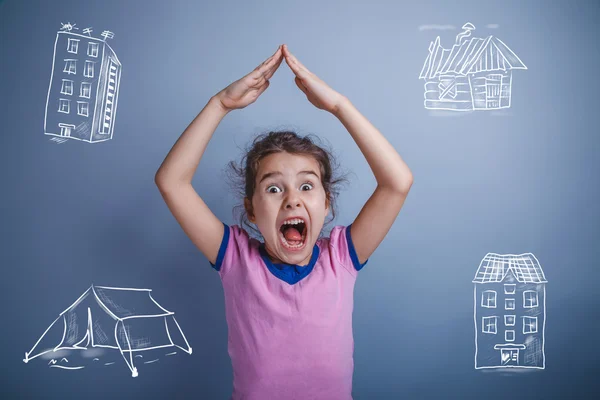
x=233, y=250
x=340, y=242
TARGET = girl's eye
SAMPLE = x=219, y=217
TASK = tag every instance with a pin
x=273, y=186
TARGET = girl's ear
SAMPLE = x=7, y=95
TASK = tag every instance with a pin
x=248, y=207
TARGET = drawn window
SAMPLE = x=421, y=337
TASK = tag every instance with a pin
x=70, y=66
x=63, y=105
x=509, y=304
x=530, y=325
x=72, y=45
x=83, y=108
x=488, y=325
x=88, y=70
x=85, y=90
x=530, y=299
x=488, y=299
x=509, y=320
x=92, y=50
x=509, y=336
x=67, y=87
x=510, y=288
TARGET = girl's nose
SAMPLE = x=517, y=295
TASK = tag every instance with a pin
x=292, y=201
x=291, y=204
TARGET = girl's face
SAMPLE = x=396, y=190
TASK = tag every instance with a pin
x=284, y=190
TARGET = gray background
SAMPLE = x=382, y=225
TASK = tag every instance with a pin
x=522, y=180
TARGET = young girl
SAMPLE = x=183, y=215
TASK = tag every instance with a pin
x=288, y=299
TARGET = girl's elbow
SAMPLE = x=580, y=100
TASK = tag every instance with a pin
x=406, y=183
x=158, y=179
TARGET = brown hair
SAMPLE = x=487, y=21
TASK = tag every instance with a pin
x=244, y=175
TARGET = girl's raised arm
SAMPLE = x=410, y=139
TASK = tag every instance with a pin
x=394, y=178
x=174, y=177
x=174, y=181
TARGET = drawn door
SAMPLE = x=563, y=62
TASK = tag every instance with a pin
x=65, y=129
x=510, y=357
x=493, y=94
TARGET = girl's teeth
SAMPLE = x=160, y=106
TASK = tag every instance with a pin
x=285, y=242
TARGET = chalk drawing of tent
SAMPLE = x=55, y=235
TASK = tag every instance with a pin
x=125, y=319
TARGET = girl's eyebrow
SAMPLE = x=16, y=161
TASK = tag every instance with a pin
x=273, y=173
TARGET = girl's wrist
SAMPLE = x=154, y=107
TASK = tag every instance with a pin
x=217, y=103
x=339, y=107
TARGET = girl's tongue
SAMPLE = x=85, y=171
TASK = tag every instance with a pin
x=292, y=234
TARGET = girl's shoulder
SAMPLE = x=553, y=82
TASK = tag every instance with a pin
x=339, y=242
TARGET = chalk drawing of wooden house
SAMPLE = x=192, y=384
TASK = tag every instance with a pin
x=509, y=312
x=475, y=74
x=84, y=87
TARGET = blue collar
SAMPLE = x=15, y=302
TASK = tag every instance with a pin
x=290, y=273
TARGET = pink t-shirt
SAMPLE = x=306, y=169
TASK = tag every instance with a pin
x=290, y=327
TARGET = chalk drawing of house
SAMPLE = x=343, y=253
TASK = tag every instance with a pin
x=84, y=87
x=127, y=320
x=475, y=74
x=509, y=312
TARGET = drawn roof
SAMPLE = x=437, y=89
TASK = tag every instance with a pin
x=470, y=56
x=494, y=267
x=122, y=303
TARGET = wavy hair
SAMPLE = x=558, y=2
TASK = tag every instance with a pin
x=243, y=175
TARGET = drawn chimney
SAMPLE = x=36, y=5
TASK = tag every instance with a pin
x=68, y=27
x=107, y=34
x=468, y=27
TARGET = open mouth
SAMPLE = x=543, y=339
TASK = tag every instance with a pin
x=293, y=236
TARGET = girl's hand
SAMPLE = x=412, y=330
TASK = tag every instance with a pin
x=317, y=91
x=246, y=90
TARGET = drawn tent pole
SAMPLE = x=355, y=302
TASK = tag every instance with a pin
x=124, y=319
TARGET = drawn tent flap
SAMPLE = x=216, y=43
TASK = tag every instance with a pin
x=124, y=319
x=475, y=74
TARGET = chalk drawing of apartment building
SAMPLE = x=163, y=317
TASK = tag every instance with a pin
x=475, y=74
x=509, y=312
x=84, y=87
